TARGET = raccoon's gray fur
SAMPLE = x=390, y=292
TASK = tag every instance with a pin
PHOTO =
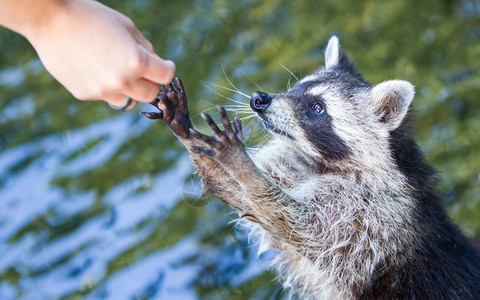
x=341, y=189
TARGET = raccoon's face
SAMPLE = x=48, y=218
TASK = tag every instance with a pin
x=334, y=115
x=302, y=118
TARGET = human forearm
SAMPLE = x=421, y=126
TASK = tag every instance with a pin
x=25, y=16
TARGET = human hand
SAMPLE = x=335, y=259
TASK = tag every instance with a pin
x=97, y=53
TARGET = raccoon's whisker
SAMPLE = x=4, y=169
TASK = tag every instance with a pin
x=240, y=111
x=247, y=118
x=228, y=79
x=240, y=103
x=232, y=90
x=207, y=109
x=243, y=105
x=212, y=107
x=235, y=108
x=238, y=108
x=208, y=103
x=291, y=73
x=250, y=78
x=223, y=96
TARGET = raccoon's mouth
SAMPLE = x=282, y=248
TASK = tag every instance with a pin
x=274, y=129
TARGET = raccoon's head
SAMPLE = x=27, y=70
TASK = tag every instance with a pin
x=334, y=115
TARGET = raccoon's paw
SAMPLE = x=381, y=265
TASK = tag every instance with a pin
x=173, y=110
x=225, y=145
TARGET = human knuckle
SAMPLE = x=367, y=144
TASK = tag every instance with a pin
x=101, y=90
x=119, y=84
x=137, y=62
x=128, y=22
x=149, y=45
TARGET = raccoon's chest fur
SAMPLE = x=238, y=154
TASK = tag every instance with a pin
x=349, y=220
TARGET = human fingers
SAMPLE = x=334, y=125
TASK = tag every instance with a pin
x=141, y=89
x=157, y=69
x=119, y=100
x=132, y=104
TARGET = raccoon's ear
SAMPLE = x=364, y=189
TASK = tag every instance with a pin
x=332, y=53
x=334, y=58
x=390, y=101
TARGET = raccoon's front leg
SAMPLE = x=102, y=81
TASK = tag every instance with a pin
x=263, y=201
x=173, y=111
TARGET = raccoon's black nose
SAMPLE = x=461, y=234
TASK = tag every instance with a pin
x=260, y=101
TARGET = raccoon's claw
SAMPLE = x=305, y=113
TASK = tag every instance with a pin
x=232, y=134
x=173, y=110
x=224, y=144
x=238, y=127
x=209, y=140
x=228, y=135
x=153, y=115
x=226, y=123
x=218, y=134
x=178, y=85
x=155, y=102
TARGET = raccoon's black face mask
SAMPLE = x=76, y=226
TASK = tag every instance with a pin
x=298, y=115
x=316, y=123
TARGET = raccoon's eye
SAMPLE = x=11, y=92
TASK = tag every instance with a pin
x=318, y=107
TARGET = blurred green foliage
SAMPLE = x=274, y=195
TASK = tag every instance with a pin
x=433, y=44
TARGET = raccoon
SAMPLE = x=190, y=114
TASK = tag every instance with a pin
x=341, y=189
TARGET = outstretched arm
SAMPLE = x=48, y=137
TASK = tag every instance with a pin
x=92, y=50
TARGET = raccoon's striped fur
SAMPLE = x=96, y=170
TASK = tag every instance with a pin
x=341, y=189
